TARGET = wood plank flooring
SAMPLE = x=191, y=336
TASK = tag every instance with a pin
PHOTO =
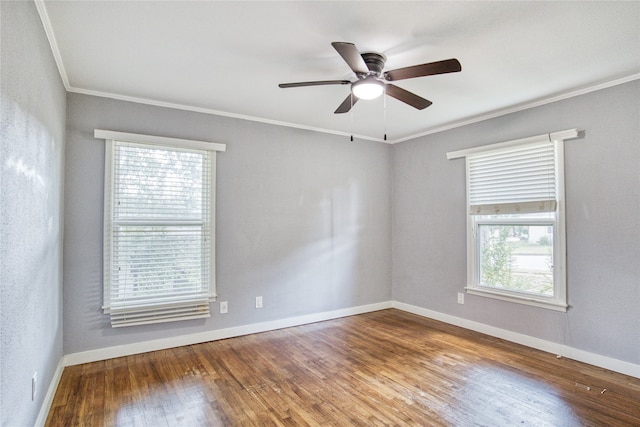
x=383, y=368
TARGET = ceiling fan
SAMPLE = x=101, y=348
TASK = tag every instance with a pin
x=372, y=82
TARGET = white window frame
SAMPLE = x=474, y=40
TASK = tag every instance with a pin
x=558, y=301
x=157, y=312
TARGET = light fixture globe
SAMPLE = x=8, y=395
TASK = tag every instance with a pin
x=367, y=88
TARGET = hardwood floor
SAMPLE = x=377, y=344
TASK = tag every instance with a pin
x=383, y=368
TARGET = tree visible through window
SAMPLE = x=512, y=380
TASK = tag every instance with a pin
x=515, y=226
x=517, y=257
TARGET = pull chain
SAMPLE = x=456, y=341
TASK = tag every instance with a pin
x=384, y=103
x=351, y=115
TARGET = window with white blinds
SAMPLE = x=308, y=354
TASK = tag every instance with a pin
x=159, y=260
x=520, y=179
x=515, y=222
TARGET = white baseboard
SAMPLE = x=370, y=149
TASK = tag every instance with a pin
x=51, y=392
x=529, y=341
x=164, y=343
x=142, y=347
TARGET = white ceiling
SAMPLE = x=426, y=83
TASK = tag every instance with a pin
x=228, y=57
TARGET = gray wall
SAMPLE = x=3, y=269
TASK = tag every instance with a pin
x=303, y=220
x=32, y=127
x=602, y=173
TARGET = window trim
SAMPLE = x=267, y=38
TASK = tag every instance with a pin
x=558, y=301
x=113, y=137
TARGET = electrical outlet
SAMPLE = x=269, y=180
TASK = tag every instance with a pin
x=224, y=307
x=34, y=383
x=460, y=298
x=258, y=302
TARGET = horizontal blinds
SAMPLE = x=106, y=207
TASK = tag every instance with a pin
x=158, y=265
x=518, y=179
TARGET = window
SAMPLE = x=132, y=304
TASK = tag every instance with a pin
x=515, y=222
x=159, y=228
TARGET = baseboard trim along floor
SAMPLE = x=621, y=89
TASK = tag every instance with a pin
x=559, y=349
x=529, y=341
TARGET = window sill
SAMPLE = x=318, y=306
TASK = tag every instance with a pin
x=519, y=299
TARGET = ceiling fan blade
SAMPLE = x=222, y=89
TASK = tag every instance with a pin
x=407, y=97
x=439, y=67
x=318, y=83
x=347, y=104
x=351, y=56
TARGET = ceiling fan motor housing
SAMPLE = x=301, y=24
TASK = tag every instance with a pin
x=375, y=62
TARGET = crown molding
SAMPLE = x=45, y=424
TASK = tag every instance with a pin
x=184, y=107
x=48, y=29
x=447, y=126
x=520, y=107
x=44, y=17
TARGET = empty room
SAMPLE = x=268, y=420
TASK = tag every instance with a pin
x=311, y=213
